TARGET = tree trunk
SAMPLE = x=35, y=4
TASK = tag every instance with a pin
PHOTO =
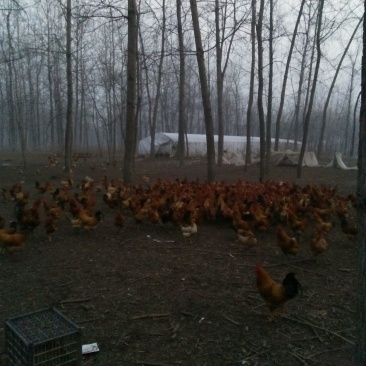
x=349, y=107
x=158, y=84
x=248, y=150
x=352, y=151
x=205, y=94
x=324, y=118
x=360, y=349
x=182, y=72
x=270, y=91
x=300, y=87
x=10, y=91
x=262, y=147
x=219, y=85
x=68, y=130
x=285, y=76
x=313, y=88
x=130, y=146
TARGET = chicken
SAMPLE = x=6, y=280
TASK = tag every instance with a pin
x=43, y=188
x=260, y=217
x=89, y=222
x=288, y=244
x=188, y=231
x=2, y=222
x=318, y=243
x=348, y=229
x=50, y=225
x=7, y=195
x=247, y=239
x=275, y=294
x=111, y=199
x=12, y=229
x=76, y=223
x=323, y=225
x=12, y=242
x=324, y=213
x=119, y=219
x=238, y=223
x=297, y=224
x=28, y=218
x=341, y=207
x=55, y=211
x=22, y=197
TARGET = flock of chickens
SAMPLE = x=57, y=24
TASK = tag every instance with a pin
x=248, y=206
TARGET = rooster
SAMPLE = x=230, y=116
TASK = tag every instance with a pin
x=275, y=294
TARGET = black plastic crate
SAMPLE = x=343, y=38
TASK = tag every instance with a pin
x=43, y=338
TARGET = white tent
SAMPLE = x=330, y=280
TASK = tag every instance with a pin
x=289, y=157
x=337, y=162
x=167, y=143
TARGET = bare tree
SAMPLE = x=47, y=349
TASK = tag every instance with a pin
x=313, y=89
x=360, y=349
x=248, y=151
x=300, y=87
x=285, y=77
x=262, y=147
x=270, y=91
x=220, y=71
x=347, y=143
x=205, y=94
x=158, y=83
x=182, y=77
x=326, y=105
x=68, y=130
x=130, y=145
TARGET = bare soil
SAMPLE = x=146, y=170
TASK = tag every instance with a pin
x=149, y=296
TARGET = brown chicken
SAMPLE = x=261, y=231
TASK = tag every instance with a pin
x=275, y=294
x=55, y=211
x=119, y=219
x=240, y=224
x=88, y=221
x=323, y=225
x=297, y=224
x=288, y=244
x=248, y=239
x=318, y=243
x=50, y=225
x=12, y=242
x=28, y=218
x=349, y=229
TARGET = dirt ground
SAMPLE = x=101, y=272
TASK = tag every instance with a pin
x=149, y=296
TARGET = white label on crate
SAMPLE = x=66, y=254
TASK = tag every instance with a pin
x=89, y=348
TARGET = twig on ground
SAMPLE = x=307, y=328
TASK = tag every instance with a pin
x=89, y=320
x=139, y=279
x=255, y=355
x=149, y=363
x=71, y=301
x=154, y=315
x=319, y=327
x=231, y=320
x=299, y=358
